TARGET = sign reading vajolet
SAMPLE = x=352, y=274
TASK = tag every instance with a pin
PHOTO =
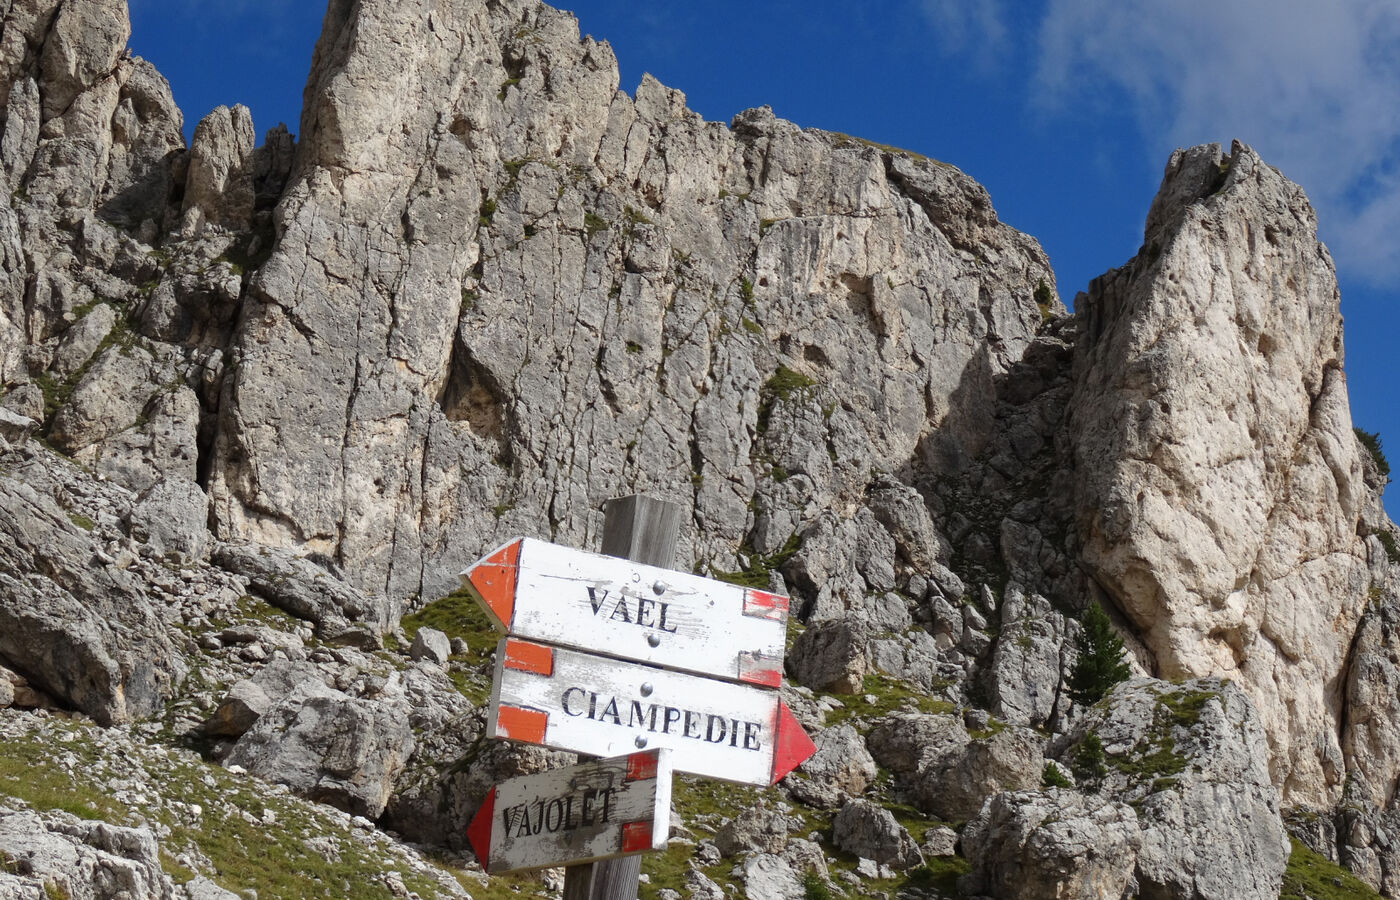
x=595, y=810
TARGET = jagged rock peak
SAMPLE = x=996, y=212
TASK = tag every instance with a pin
x=1220, y=482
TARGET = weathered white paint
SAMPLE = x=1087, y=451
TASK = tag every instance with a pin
x=602, y=604
x=595, y=810
x=592, y=704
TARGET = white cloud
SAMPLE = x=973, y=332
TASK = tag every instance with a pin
x=1313, y=86
x=976, y=28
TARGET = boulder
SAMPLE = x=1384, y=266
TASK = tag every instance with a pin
x=830, y=656
x=15, y=428
x=954, y=787
x=840, y=769
x=1027, y=663
x=432, y=645
x=869, y=831
x=758, y=829
x=173, y=517
x=1052, y=845
x=906, y=743
x=769, y=877
x=299, y=586
x=88, y=635
x=330, y=747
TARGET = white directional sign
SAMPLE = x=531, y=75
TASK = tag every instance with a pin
x=591, y=704
x=596, y=810
x=543, y=592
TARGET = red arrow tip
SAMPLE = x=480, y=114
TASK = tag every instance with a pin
x=791, y=746
x=479, y=831
x=492, y=583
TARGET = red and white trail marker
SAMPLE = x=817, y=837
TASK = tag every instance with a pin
x=602, y=604
x=591, y=704
x=591, y=811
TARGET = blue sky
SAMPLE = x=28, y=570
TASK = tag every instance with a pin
x=1065, y=109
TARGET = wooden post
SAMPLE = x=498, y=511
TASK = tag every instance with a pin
x=644, y=530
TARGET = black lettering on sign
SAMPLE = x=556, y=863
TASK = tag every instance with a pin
x=649, y=614
x=710, y=722
x=687, y=723
x=610, y=710
x=639, y=717
x=587, y=809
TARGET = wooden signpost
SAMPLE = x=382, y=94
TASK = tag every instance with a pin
x=543, y=592
x=576, y=701
x=607, y=656
x=591, y=811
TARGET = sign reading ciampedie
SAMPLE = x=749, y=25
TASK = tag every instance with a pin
x=596, y=810
x=568, y=700
x=557, y=595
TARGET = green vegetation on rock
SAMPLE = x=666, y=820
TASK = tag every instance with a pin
x=1372, y=442
x=1100, y=663
x=759, y=567
x=206, y=813
x=1311, y=876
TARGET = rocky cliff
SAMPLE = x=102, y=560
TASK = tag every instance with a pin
x=261, y=403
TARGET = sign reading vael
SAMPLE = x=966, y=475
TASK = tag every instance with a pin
x=568, y=700
x=539, y=591
x=592, y=811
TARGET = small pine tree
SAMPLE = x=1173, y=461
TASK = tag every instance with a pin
x=1100, y=664
x=1088, y=763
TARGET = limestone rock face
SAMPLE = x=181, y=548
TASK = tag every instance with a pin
x=1192, y=759
x=1218, y=474
x=691, y=294
x=84, y=633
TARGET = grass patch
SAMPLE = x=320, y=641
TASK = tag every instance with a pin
x=1311, y=875
x=782, y=386
x=508, y=83
x=28, y=771
x=846, y=140
x=513, y=168
x=82, y=521
x=890, y=696
x=1043, y=299
x=458, y=616
x=487, y=212
x=760, y=567
x=307, y=852
x=594, y=223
